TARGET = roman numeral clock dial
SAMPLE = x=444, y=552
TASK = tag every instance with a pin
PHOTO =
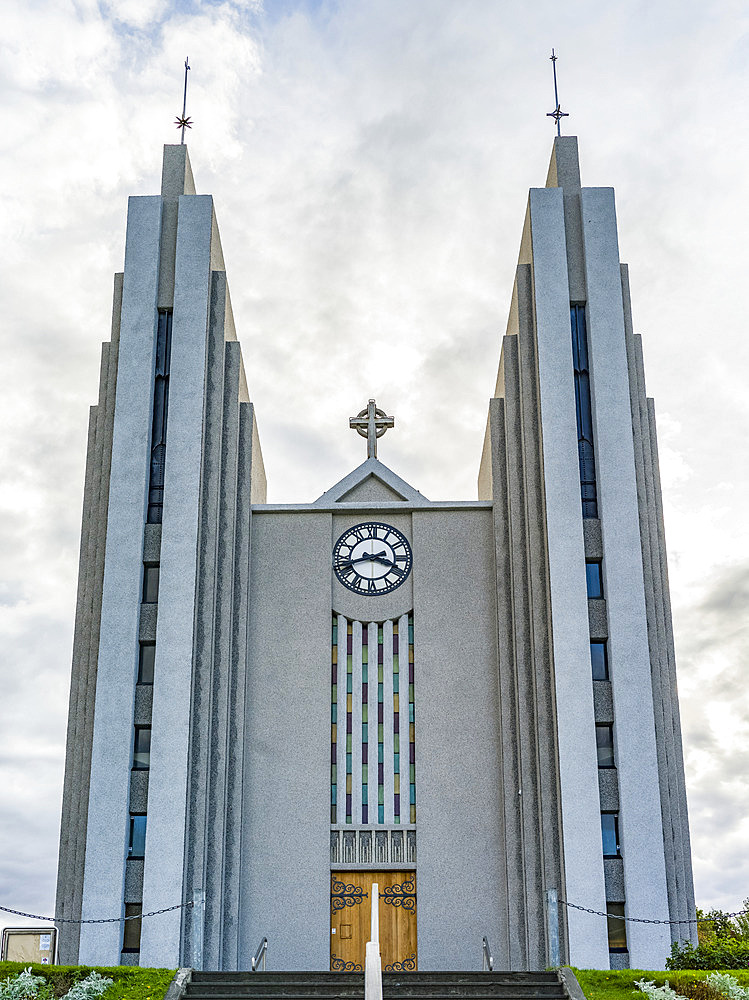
x=372, y=558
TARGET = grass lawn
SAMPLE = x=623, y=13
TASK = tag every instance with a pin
x=130, y=982
x=598, y=984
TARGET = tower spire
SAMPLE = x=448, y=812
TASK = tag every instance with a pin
x=557, y=114
x=184, y=122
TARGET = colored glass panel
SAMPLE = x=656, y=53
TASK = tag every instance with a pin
x=411, y=726
x=349, y=718
x=380, y=736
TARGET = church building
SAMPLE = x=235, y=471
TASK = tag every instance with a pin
x=470, y=704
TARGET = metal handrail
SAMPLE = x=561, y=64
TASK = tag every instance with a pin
x=488, y=963
x=260, y=954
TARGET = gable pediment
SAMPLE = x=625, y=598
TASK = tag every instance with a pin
x=372, y=482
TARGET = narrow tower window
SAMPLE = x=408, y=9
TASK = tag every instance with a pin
x=150, y=583
x=610, y=835
x=594, y=579
x=584, y=412
x=158, y=425
x=617, y=927
x=599, y=660
x=137, y=843
x=131, y=932
x=605, y=745
x=146, y=660
x=142, y=748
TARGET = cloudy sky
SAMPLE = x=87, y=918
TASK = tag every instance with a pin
x=370, y=161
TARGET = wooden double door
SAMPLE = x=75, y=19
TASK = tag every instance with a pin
x=350, y=919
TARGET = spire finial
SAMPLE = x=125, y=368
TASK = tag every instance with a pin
x=371, y=423
x=557, y=114
x=184, y=122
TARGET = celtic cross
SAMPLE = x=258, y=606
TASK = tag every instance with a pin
x=371, y=423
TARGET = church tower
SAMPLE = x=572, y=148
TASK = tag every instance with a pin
x=471, y=704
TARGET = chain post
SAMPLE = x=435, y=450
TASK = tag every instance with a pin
x=198, y=927
x=552, y=927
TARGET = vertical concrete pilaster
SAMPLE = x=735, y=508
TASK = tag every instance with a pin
x=121, y=589
x=165, y=837
x=583, y=863
x=629, y=657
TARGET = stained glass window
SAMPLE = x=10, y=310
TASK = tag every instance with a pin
x=374, y=699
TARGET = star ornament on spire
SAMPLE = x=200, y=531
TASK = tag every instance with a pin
x=184, y=121
x=557, y=114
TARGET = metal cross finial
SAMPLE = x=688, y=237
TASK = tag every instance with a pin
x=557, y=114
x=184, y=122
x=371, y=423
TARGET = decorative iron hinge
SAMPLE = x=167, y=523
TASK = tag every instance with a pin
x=343, y=895
x=403, y=895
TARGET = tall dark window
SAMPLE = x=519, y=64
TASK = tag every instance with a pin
x=605, y=745
x=146, y=657
x=142, y=748
x=610, y=835
x=131, y=930
x=158, y=426
x=584, y=412
x=150, y=583
x=594, y=578
x=616, y=926
x=599, y=661
x=137, y=843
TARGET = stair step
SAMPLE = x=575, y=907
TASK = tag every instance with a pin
x=416, y=990
x=396, y=986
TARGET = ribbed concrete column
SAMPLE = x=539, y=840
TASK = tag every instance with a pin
x=165, y=837
x=629, y=656
x=121, y=595
x=578, y=766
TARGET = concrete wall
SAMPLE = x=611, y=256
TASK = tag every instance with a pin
x=165, y=837
x=460, y=858
x=285, y=883
x=661, y=642
x=74, y=819
x=121, y=590
x=640, y=822
x=583, y=862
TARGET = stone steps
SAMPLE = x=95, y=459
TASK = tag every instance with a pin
x=395, y=986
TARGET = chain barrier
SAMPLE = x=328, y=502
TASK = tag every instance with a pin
x=646, y=920
x=101, y=920
x=191, y=903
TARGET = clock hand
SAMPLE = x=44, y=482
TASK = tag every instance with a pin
x=363, y=558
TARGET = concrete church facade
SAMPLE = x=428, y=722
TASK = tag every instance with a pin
x=472, y=703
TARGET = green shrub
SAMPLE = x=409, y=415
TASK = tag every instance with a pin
x=695, y=989
x=129, y=982
x=720, y=953
x=607, y=984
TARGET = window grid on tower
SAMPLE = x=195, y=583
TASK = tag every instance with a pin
x=584, y=412
x=159, y=417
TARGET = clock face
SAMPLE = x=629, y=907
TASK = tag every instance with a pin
x=372, y=558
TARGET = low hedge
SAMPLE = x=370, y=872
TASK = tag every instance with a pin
x=130, y=981
x=610, y=984
x=719, y=953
